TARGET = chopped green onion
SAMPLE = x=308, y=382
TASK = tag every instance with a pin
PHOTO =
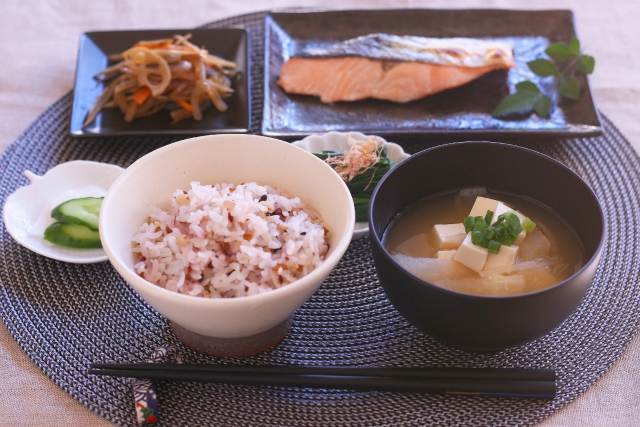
x=508, y=241
x=488, y=217
x=488, y=233
x=528, y=225
x=504, y=230
x=494, y=247
x=518, y=229
x=476, y=237
x=511, y=221
x=468, y=223
x=480, y=226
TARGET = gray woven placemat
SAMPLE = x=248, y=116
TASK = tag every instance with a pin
x=66, y=316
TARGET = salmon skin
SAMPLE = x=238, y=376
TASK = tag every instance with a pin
x=458, y=51
x=394, y=68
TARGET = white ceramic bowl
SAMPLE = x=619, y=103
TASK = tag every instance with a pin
x=152, y=180
x=338, y=141
x=27, y=212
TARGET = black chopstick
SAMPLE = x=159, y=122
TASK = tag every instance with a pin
x=360, y=379
x=522, y=374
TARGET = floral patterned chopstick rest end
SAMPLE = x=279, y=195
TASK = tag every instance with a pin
x=144, y=393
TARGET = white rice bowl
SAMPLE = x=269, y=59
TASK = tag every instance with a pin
x=150, y=182
x=227, y=240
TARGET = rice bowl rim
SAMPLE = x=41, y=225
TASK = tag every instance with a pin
x=331, y=260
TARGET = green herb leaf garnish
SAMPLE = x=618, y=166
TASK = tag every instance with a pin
x=543, y=106
x=566, y=62
x=586, y=64
x=543, y=67
x=524, y=101
x=574, y=44
x=568, y=86
x=560, y=52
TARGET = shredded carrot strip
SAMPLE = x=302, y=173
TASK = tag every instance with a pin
x=141, y=95
x=185, y=105
x=158, y=44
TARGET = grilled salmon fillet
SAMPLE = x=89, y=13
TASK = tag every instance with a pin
x=395, y=68
x=355, y=78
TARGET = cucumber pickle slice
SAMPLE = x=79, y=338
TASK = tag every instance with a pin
x=72, y=235
x=84, y=211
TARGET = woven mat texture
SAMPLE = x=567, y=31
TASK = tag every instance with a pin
x=66, y=316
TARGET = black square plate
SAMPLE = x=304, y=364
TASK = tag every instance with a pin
x=93, y=57
x=461, y=112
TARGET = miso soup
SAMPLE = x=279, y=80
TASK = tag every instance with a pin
x=446, y=256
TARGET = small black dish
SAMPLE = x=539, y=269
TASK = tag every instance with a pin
x=93, y=56
x=472, y=322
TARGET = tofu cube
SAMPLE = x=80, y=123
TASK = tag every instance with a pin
x=482, y=205
x=445, y=254
x=470, y=255
x=448, y=236
x=505, y=256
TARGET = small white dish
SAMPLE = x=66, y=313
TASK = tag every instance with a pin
x=27, y=212
x=316, y=143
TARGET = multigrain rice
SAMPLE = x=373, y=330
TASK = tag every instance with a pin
x=227, y=241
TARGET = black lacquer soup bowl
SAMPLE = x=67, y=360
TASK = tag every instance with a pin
x=474, y=322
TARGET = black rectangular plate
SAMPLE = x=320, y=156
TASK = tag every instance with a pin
x=93, y=56
x=461, y=112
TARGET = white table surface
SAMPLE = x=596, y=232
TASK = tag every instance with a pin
x=38, y=47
